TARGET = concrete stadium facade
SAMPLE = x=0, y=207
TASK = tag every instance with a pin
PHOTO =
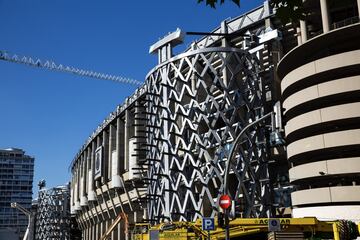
x=320, y=85
x=161, y=155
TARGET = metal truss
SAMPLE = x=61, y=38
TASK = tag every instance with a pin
x=197, y=103
x=237, y=24
x=50, y=65
x=53, y=214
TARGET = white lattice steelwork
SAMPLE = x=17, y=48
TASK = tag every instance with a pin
x=53, y=214
x=197, y=103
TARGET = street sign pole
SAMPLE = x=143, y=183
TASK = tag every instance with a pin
x=208, y=224
x=226, y=222
x=225, y=203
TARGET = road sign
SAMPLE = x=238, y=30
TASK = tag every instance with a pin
x=274, y=225
x=225, y=201
x=208, y=224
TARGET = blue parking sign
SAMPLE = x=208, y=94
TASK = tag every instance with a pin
x=208, y=224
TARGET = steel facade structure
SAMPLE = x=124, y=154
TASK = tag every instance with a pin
x=53, y=214
x=202, y=99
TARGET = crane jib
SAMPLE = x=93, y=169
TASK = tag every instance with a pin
x=50, y=65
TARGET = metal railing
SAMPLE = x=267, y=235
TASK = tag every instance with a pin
x=345, y=22
x=336, y=25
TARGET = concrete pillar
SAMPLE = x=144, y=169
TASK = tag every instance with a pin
x=116, y=159
x=325, y=15
x=169, y=51
x=86, y=233
x=81, y=176
x=72, y=211
x=106, y=226
x=111, y=151
x=91, y=157
x=113, y=234
x=90, y=231
x=106, y=156
x=268, y=23
x=103, y=227
x=358, y=5
x=83, y=199
x=97, y=230
x=298, y=35
x=93, y=232
x=119, y=231
x=77, y=183
x=303, y=31
x=120, y=144
x=95, y=237
x=114, y=151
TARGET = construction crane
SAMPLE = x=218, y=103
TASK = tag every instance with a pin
x=51, y=65
x=28, y=233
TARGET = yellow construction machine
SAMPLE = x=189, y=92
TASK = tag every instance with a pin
x=250, y=228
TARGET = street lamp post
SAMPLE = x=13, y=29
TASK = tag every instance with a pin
x=230, y=159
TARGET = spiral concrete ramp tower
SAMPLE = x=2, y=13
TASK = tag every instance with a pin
x=320, y=84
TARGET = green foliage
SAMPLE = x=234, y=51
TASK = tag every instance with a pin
x=213, y=3
x=286, y=10
x=289, y=10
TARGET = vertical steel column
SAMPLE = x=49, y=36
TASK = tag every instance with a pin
x=111, y=144
x=127, y=138
x=224, y=43
x=136, y=131
x=106, y=157
x=166, y=141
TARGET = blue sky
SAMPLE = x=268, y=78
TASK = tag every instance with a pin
x=51, y=114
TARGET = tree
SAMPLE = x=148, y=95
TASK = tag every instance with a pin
x=286, y=10
x=213, y=3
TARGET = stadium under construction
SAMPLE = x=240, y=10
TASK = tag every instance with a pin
x=265, y=112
